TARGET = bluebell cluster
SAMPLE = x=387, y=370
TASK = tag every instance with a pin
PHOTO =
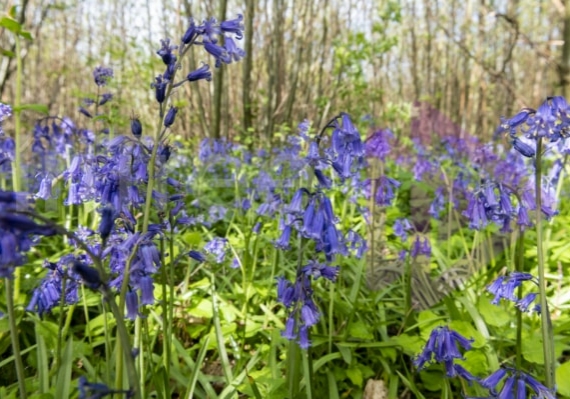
x=443, y=346
x=114, y=172
x=309, y=217
x=516, y=385
x=18, y=231
x=504, y=288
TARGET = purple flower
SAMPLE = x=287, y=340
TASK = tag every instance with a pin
x=442, y=346
x=504, y=288
x=234, y=52
x=523, y=148
x=401, y=227
x=165, y=52
x=159, y=87
x=191, y=33
x=197, y=256
x=105, y=98
x=219, y=53
x=102, y=75
x=132, y=305
x=170, y=116
x=234, y=26
x=201, y=73
x=217, y=247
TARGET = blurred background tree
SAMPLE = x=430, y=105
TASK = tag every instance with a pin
x=470, y=60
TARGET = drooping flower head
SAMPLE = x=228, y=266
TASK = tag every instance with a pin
x=102, y=75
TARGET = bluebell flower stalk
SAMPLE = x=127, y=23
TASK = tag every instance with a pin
x=549, y=123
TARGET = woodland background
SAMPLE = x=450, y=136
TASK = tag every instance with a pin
x=469, y=60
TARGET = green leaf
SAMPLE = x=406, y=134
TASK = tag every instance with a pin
x=41, y=108
x=63, y=384
x=411, y=344
x=562, y=380
x=355, y=375
x=10, y=24
x=360, y=330
x=493, y=315
x=26, y=35
x=6, y=53
x=468, y=331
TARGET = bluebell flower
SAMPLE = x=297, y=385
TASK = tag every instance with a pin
x=441, y=347
x=5, y=112
x=385, y=189
x=210, y=29
x=219, y=53
x=90, y=276
x=234, y=52
x=146, y=285
x=304, y=341
x=102, y=75
x=132, y=305
x=201, y=73
x=49, y=292
x=191, y=33
x=107, y=222
x=504, y=288
x=217, y=247
x=89, y=390
x=525, y=149
x=515, y=380
x=166, y=52
x=170, y=116
x=437, y=205
x=136, y=127
x=45, y=188
x=493, y=380
x=378, y=144
x=401, y=228
x=420, y=247
x=159, y=87
x=105, y=98
x=197, y=256
x=316, y=270
x=234, y=26
x=284, y=239
x=85, y=112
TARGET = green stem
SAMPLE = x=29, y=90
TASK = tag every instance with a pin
x=519, y=267
x=546, y=325
x=15, y=339
x=17, y=166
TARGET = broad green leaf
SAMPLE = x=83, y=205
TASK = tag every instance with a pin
x=202, y=309
x=360, y=330
x=493, y=315
x=10, y=24
x=355, y=375
x=411, y=344
x=26, y=35
x=468, y=331
x=562, y=380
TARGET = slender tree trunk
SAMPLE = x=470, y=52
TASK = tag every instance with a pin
x=218, y=86
x=248, y=65
x=564, y=67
